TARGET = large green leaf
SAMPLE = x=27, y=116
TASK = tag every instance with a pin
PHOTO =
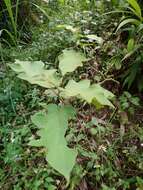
x=69, y=60
x=35, y=73
x=91, y=93
x=136, y=7
x=53, y=127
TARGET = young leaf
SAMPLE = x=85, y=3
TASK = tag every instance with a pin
x=94, y=94
x=69, y=60
x=130, y=45
x=52, y=130
x=35, y=73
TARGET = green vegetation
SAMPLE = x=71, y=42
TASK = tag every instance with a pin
x=71, y=83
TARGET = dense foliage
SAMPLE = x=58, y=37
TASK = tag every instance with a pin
x=71, y=83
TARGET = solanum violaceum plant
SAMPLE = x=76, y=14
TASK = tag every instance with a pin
x=53, y=122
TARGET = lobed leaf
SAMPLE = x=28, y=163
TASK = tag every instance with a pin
x=52, y=129
x=35, y=73
x=94, y=94
x=69, y=60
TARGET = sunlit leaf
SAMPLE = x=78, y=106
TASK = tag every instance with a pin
x=35, y=73
x=136, y=7
x=69, y=60
x=94, y=94
x=96, y=38
x=52, y=129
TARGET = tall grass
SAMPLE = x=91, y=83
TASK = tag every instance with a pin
x=13, y=17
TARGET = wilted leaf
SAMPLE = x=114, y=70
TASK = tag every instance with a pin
x=91, y=93
x=53, y=127
x=35, y=73
x=69, y=60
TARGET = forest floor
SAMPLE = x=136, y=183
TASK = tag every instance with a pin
x=109, y=141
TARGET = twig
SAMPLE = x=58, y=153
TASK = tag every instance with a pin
x=110, y=79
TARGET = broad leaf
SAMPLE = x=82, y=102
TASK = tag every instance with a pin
x=69, y=60
x=53, y=127
x=35, y=73
x=91, y=93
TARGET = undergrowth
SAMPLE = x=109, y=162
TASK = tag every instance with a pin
x=109, y=141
